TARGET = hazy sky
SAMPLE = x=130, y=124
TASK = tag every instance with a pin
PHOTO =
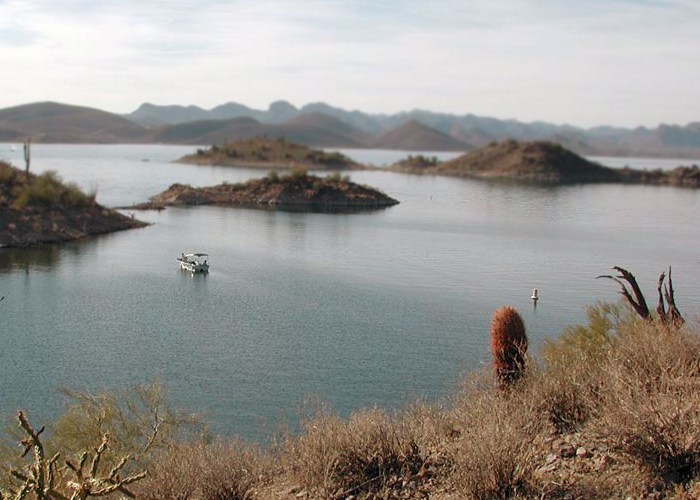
x=583, y=62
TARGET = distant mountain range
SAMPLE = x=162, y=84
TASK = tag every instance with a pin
x=322, y=125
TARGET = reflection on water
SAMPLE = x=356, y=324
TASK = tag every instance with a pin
x=27, y=259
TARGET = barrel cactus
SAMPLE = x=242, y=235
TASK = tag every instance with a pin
x=508, y=345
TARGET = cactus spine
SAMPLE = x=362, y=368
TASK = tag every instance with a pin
x=508, y=345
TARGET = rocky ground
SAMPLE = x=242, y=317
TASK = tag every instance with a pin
x=288, y=192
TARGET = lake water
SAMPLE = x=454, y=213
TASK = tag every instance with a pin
x=356, y=310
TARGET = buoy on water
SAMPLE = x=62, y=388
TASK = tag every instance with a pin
x=534, y=295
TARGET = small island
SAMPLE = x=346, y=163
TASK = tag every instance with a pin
x=264, y=152
x=37, y=209
x=294, y=191
x=542, y=162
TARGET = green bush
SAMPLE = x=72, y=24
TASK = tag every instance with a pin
x=298, y=173
x=273, y=176
x=47, y=190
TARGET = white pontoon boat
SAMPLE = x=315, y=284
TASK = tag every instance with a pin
x=194, y=262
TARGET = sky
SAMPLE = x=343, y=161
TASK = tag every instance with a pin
x=585, y=63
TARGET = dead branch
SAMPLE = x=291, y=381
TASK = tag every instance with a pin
x=666, y=309
x=640, y=304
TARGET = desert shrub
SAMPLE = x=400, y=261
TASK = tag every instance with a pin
x=221, y=471
x=273, y=176
x=567, y=383
x=370, y=453
x=335, y=176
x=648, y=407
x=494, y=455
x=587, y=344
x=298, y=173
x=563, y=395
x=48, y=190
x=138, y=420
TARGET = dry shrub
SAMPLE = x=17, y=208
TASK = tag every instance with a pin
x=494, y=456
x=221, y=471
x=649, y=405
x=567, y=384
x=370, y=453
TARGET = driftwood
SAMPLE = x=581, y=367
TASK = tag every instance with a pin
x=666, y=309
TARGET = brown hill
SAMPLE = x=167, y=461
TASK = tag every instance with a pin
x=542, y=162
x=318, y=129
x=42, y=209
x=314, y=129
x=59, y=123
x=209, y=131
x=415, y=136
x=293, y=191
x=264, y=152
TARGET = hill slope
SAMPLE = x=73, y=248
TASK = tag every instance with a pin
x=415, y=136
x=313, y=130
x=42, y=209
x=664, y=141
x=55, y=122
x=544, y=163
x=263, y=152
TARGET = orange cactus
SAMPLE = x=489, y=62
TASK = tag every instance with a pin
x=508, y=345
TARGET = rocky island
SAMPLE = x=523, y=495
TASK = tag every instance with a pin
x=543, y=162
x=38, y=209
x=296, y=190
x=264, y=152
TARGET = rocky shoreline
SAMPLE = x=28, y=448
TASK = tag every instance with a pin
x=22, y=228
x=41, y=209
x=295, y=191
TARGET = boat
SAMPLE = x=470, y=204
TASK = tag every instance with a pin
x=194, y=262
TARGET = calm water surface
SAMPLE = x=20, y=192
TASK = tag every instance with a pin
x=355, y=309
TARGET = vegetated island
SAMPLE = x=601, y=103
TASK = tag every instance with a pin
x=295, y=190
x=37, y=209
x=542, y=162
x=264, y=152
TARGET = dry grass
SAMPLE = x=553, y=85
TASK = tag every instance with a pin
x=649, y=405
x=612, y=411
x=371, y=453
x=494, y=456
x=222, y=471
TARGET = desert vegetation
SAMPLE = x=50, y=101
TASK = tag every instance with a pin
x=267, y=152
x=19, y=190
x=609, y=409
x=37, y=209
x=294, y=190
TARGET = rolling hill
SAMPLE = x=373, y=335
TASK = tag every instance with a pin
x=414, y=136
x=312, y=130
x=55, y=122
x=322, y=125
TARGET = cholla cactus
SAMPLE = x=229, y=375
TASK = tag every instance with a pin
x=42, y=479
x=508, y=345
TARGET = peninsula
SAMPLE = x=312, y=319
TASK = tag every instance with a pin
x=296, y=190
x=264, y=152
x=37, y=209
x=543, y=162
